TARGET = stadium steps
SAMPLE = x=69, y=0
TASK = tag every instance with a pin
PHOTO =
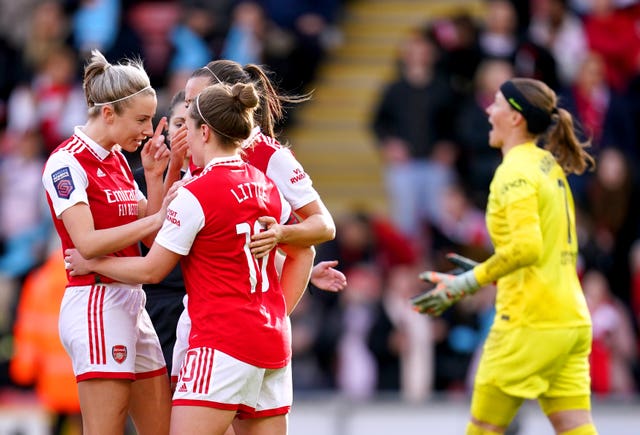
x=331, y=135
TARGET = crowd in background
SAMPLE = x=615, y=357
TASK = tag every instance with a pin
x=432, y=134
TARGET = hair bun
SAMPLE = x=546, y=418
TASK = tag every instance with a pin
x=246, y=94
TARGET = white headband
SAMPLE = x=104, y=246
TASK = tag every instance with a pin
x=211, y=126
x=123, y=98
x=213, y=74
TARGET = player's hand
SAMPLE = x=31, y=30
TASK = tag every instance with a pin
x=325, y=277
x=264, y=241
x=155, y=153
x=75, y=263
x=463, y=263
x=168, y=197
x=179, y=148
x=449, y=290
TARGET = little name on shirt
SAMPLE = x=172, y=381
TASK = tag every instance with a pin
x=246, y=191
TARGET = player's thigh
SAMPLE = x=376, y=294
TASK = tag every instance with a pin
x=104, y=404
x=275, y=425
x=200, y=420
x=150, y=405
x=493, y=407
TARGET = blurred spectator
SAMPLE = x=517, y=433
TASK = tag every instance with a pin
x=613, y=352
x=612, y=32
x=413, y=127
x=601, y=111
x=357, y=368
x=57, y=96
x=10, y=75
x=189, y=39
x=313, y=340
x=555, y=27
x=611, y=204
x=15, y=21
x=463, y=224
x=478, y=160
x=96, y=24
x=461, y=54
x=218, y=14
x=634, y=262
x=245, y=41
x=153, y=23
x=458, y=334
x=365, y=238
x=500, y=39
x=39, y=358
x=401, y=339
x=303, y=31
x=632, y=101
x=499, y=30
x=49, y=31
x=24, y=224
x=590, y=97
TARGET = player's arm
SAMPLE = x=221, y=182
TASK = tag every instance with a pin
x=317, y=227
x=151, y=268
x=316, y=224
x=525, y=246
x=79, y=223
x=296, y=271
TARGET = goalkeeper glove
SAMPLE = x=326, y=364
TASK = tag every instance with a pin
x=449, y=290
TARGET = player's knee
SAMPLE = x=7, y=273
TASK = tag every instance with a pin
x=585, y=429
x=475, y=427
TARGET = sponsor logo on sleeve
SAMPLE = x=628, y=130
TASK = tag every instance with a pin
x=298, y=174
x=63, y=182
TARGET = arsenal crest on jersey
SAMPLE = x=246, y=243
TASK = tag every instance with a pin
x=119, y=353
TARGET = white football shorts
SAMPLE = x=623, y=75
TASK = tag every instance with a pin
x=108, y=333
x=211, y=378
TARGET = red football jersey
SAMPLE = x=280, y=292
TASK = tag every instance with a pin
x=80, y=170
x=236, y=303
x=279, y=163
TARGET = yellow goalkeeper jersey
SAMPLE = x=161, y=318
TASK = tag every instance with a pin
x=531, y=220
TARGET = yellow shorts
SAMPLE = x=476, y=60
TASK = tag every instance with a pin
x=537, y=363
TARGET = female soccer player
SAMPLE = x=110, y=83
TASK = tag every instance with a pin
x=539, y=344
x=238, y=360
x=263, y=151
x=98, y=209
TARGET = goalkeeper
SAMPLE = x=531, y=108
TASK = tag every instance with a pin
x=540, y=340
